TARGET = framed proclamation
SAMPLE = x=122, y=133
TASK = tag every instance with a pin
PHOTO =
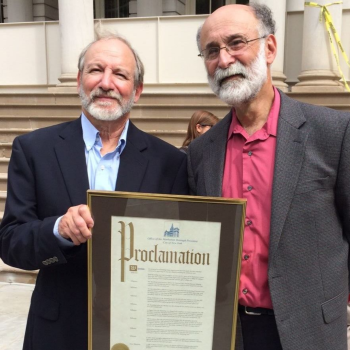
x=163, y=271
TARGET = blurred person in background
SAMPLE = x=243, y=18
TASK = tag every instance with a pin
x=200, y=123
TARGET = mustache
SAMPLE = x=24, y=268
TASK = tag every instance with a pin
x=234, y=69
x=103, y=93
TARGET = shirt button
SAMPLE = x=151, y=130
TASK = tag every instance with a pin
x=102, y=167
x=249, y=188
x=246, y=257
x=250, y=153
x=249, y=222
x=245, y=291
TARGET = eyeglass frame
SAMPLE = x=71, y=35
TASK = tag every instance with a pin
x=228, y=49
x=204, y=125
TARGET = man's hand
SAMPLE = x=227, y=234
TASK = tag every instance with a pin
x=76, y=224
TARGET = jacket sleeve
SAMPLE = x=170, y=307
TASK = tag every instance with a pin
x=181, y=184
x=26, y=241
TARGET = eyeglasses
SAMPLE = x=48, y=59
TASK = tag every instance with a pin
x=203, y=125
x=235, y=46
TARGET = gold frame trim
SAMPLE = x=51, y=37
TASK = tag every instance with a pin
x=167, y=197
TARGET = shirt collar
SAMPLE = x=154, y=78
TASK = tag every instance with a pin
x=272, y=121
x=91, y=134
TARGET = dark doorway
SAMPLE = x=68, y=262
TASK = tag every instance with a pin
x=204, y=7
x=1, y=12
x=116, y=8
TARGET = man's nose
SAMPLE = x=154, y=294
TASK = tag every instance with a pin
x=225, y=59
x=106, y=81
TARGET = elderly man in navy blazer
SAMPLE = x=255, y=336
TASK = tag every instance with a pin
x=46, y=222
x=292, y=162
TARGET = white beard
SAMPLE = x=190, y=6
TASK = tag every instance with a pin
x=244, y=89
x=97, y=110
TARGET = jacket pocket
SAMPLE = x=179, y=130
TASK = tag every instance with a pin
x=333, y=308
x=313, y=185
x=44, y=307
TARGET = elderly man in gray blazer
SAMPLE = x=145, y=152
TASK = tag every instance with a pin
x=291, y=161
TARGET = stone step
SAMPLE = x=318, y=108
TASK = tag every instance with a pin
x=8, y=135
x=3, y=181
x=5, y=149
x=3, y=195
x=33, y=116
x=150, y=118
x=28, y=110
x=23, y=122
x=4, y=164
x=13, y=275
x=322, y=98
x=139, y=110
x=174, y=137
x=144, y=123
x=319, y=98
x=39, y=98
x=73, y=99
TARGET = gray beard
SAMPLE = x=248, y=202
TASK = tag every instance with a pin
x=98, y=112
x=244, y=89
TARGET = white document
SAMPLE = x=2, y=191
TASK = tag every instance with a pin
x=163, y=283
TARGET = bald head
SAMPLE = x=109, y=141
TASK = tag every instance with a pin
x=254, y=16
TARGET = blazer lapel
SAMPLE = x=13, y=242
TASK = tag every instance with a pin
x=214, y=157
x=133, y=163
x=291, y=141
x=71, y=158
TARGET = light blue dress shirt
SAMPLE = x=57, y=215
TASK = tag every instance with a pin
x=102, y=170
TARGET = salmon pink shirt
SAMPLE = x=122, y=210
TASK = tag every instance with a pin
x=248, y=173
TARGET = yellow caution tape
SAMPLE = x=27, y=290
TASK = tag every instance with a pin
x=325, y=14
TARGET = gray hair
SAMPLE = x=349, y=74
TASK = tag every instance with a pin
x=263, y=14
x=139, y=71
x=198, y=37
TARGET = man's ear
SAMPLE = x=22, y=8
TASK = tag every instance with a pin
x=270, y=49
x=78, y=81
x=138, y=92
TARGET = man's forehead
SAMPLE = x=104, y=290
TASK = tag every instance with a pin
x=109, y=48
x=227, y=21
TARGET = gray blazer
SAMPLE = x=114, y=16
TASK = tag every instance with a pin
x=310, y=220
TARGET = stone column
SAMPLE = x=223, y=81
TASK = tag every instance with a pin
x=346, y=39
x=278, y=8
x=319, y=68
x=20, y=11
x=77, y=30
x=149, y=8
x=100, y=9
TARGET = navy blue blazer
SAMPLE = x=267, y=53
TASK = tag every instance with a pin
x=47, y=175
